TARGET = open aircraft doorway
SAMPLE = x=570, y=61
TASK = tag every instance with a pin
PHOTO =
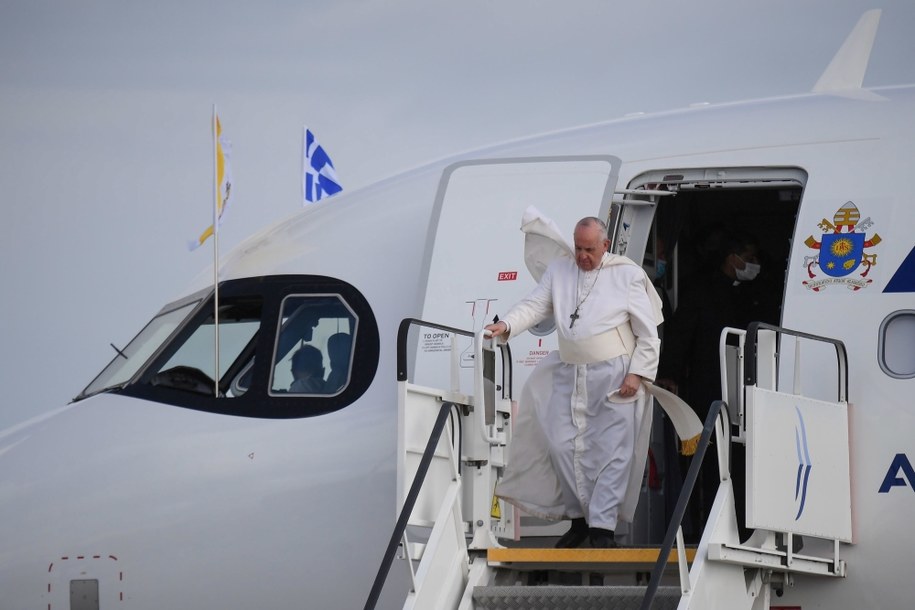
x=684, y=235
x=687, y=228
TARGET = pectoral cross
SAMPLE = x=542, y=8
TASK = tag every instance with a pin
x=574, y=317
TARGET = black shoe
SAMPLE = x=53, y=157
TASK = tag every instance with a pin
x=602, y=539
x=576, y=535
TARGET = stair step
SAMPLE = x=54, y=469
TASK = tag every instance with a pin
x=571, y=598
x=629, y=559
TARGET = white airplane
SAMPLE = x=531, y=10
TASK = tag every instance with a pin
x=154, y=489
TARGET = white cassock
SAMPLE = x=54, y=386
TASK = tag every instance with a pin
x=575, y=439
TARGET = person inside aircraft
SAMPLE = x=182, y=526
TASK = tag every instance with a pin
x=607, y=313
x=717, y=298
x=658, y=274
x=307, y=371
x=689, y=366
x=338, y=351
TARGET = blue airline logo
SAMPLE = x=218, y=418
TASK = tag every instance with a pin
x=900, y=474
x=904, y=278
x=803, y=464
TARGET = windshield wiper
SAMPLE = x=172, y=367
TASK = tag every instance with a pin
x=120, y=353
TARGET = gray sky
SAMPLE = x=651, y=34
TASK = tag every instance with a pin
x=105, y=150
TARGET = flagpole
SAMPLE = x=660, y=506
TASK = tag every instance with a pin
x=216, y=197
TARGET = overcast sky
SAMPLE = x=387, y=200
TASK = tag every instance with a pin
x=105, y=150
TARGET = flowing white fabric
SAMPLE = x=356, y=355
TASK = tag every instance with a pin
x=579, y=449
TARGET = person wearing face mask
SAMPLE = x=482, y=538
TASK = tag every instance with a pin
x=658, y=274
x=746, y=270
x=689, y=365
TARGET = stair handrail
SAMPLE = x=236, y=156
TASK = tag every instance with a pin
x=718, y=409
x=752, y=353
x=752, y=377
x=419, y=478
x=403, y=332
x=478, y=388
x=434, y=438
x=408, y=505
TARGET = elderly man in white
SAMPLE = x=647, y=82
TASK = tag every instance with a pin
x=586, y=397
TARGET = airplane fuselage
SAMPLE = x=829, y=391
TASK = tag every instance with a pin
x=149, y=495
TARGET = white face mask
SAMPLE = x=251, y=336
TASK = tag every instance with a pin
x=749, y=271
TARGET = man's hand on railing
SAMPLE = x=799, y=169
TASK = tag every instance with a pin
x=497, y=329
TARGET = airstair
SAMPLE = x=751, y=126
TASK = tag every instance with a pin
x=464, y=547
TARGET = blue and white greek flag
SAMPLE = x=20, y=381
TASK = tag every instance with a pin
x=318, y=176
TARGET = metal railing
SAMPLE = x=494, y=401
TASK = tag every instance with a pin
x=718, y=420
x=403, y=333
x=399, y=533
x=752, y=354
x=409, y=503
x=717, y=411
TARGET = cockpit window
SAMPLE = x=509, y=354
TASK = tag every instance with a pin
x=314, y=346
x=131, y=358
x=193, y=366
x=289, y=346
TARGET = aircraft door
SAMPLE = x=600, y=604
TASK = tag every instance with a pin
x=475, y=250
x=682, y=242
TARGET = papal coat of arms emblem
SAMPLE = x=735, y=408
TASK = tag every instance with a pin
x=841, y=252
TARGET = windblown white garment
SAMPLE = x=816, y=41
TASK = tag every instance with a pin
x=575, y=439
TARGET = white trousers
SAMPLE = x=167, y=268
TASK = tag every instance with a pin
x=573, y=450
x=590, y=439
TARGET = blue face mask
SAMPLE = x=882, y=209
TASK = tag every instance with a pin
x=660, y=269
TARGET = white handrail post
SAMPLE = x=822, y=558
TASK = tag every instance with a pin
x=478, y=386
x=681, y=563
x=455, y=365
x=409, y=558
x=724, y=466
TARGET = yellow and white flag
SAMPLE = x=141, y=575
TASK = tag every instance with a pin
x=223, y=178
